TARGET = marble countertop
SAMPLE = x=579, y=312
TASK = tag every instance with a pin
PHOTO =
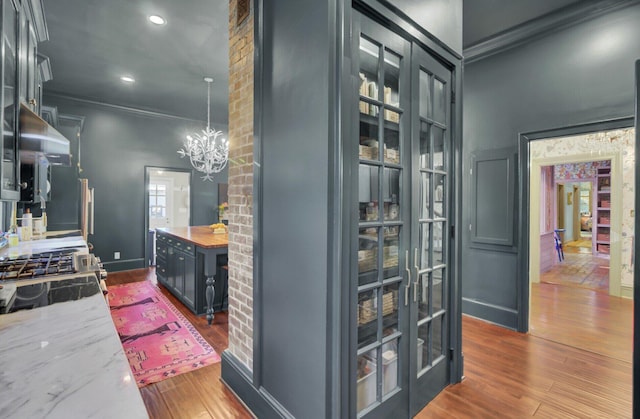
x=65, y=360
x=44, y=245
x=199, y=235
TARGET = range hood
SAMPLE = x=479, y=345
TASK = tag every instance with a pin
x=38, y=139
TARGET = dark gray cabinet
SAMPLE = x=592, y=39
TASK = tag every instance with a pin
x=176, y=269
x=9, y=170
x=180, y=268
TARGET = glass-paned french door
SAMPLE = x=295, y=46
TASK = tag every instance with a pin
x=431, y=222
x=400, y=270
x=379, y=277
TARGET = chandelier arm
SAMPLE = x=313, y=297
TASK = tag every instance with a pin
x=207, y=153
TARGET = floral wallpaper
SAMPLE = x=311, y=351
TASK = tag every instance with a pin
x=573, y=171
x=621, y=141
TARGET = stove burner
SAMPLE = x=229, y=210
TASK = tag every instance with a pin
x=37, y=265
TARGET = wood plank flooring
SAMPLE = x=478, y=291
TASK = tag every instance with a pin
x=578, y=269
x=197, y=394
x=507, y=375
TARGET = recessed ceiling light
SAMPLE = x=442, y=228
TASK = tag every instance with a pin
x=127, y=79
x=157, y=20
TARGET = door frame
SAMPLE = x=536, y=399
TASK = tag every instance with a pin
x=147, y=176
x=525, y=174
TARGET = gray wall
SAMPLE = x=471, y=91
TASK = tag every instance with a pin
x=579, y=75
x=116, y=145
x=295, y=144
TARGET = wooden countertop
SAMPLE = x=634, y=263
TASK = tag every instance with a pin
x=201, y=236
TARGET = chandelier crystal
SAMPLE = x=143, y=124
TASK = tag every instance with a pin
x=207, y=151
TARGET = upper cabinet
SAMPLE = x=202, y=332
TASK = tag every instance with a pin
x=33, y=29
x=23, y=26
x=9, y=170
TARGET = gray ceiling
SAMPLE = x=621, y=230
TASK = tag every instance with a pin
x=93, y=42
x=485, y=18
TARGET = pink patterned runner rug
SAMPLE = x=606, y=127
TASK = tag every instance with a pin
x=157, y=339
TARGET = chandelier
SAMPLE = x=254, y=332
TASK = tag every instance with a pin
x=207, y=151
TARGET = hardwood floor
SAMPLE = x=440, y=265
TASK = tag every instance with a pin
x=507, y=375
x=579, y=269
x=583, y=318
x=514, y=375
x=197, y=394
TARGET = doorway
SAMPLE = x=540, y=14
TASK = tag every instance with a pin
x=597, y=316
x=167, y=203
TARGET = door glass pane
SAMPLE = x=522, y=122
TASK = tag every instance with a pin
x=439, y=101
x=439, y=196
x=390, y=308
x=425, y=245
x=367, y=375
x=391, y=78
x=436, y=338
x=425, y=146
x=391, y=142
x=369, y=58
x=369, y=132
x=438, y=290
x=424, y=297
x=425, y=193
x=391, y=188
x=425, y=95
x=9, y=94
x=390, y=251
x=389, y=366
x=423, y=346
x=438, y=243
x=437, y=134
x=367, y=316
x=368, y=192
x=368, y=256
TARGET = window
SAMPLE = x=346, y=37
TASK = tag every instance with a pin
x=157, y=200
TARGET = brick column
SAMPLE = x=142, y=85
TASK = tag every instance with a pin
x=241, y=186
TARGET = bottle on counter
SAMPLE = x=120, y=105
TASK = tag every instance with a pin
x=27, y=218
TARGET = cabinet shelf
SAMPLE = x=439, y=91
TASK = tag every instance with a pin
x=367, y=332
x=603, y=211
x=369, y=277
x=373, y=120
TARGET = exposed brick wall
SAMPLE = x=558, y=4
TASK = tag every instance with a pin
x=241, y=186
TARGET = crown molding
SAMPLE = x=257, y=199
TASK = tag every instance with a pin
x=541, y=26
x=122, y=108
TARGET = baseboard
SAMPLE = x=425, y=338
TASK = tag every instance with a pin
x=626, y=291
x=259, y=402
x=503, y=316
x=124, y=265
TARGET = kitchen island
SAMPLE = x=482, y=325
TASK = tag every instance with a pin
x=65, y=360
x=188, y=264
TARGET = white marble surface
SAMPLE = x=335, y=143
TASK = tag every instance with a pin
x=65, y=361
x=44, y=245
